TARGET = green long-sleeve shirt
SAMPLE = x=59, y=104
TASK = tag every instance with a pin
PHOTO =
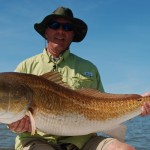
x=76, y=72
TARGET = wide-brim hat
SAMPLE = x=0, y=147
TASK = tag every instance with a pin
x=80, y=27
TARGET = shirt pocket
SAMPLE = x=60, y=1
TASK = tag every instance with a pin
x=81, y=81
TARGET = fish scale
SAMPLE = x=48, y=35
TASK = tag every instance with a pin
x=62, y=110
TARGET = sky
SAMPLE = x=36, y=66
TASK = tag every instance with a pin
x=117, y=42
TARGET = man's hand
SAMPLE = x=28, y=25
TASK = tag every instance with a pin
x=146, y=106
x=22, y=125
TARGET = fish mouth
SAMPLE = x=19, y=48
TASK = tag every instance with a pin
x=10, y=117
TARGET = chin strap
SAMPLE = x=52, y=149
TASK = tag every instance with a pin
x=33, y=126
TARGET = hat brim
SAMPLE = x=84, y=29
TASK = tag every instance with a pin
x=80, y=27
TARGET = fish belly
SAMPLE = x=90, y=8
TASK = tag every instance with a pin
x=74, y=124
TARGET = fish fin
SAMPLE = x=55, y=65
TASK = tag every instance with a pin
x=33, y=126
x=118, y=132
x=52, y=76
x=55, y=77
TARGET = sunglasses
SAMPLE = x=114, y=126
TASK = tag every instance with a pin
x=57, y=25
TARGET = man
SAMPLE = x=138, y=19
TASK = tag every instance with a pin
x=60, y=29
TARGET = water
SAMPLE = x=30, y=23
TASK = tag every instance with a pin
x=7, y=138
x=138, y=134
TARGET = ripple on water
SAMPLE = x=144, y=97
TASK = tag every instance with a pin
x=7, y=138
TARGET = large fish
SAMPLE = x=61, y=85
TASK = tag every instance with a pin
x=60, y=110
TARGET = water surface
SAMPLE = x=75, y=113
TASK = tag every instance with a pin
x=138, y=134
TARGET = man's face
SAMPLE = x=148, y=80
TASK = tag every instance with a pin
x=58, y=38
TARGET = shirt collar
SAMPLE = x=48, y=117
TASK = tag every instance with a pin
x=49, y=57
